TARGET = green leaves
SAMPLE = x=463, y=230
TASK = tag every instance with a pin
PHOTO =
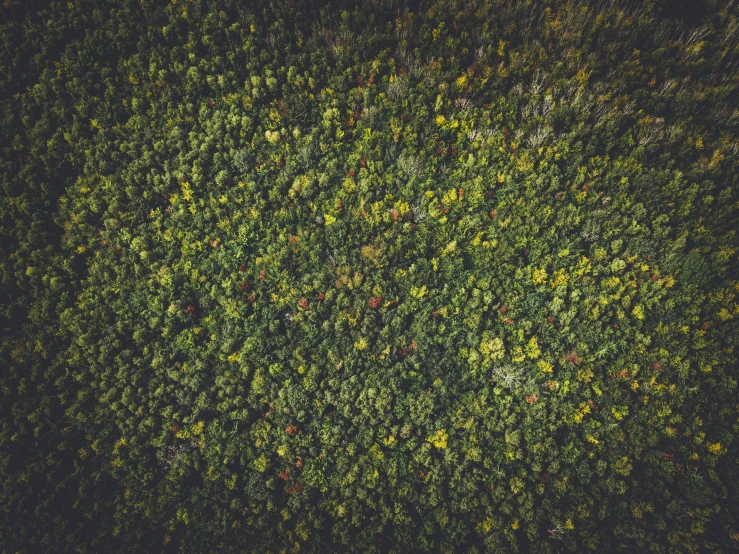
x=329, y=273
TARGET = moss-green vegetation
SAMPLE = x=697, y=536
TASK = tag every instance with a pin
x=447, y=278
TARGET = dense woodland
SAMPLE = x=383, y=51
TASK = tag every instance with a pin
x=456, y=276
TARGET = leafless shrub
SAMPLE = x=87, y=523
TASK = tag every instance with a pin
x=556, y=533
x=330, y=259
x=698, y=34
x=537, y=82
x=667, y=87
x=462, y=104
x=410, y=63
x=510, y=376
x=651, y=133
x=398, y=88
x=172, y=455
x=539, y=136
x=410, y=165
x=674, y=132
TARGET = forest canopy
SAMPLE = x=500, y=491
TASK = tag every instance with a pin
x=378, y=276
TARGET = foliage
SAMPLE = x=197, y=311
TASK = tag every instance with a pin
x=456, y=276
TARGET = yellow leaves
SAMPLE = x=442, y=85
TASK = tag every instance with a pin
x=419, y=292
x=186, y=191
x=539, y=276
x=583, y=75
x=581, y=412
x=224, y=225
x=492, y=347
x=725, y=315
x=638, y=311
x=560, y=278
x=197, y=429
x=348, y=184
x=501, y=177
x=385, y=353
x=450, y=196
x=361, y=344
x=402, y=207
x=726, y=253
x=622, y=466
x=517, y=354
x=120, y=442
x=619, y=412
x=592, y=439
x=371, y=253
x=501, y=47
x=439, y=439
x=260, y=464
x=544, y=366
x=329, y=219
x=584, y=375
x=715, y=448
x=440, y=120
x=717, y=158
x=532, y=348
x=377, y=452
x=462, y=81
